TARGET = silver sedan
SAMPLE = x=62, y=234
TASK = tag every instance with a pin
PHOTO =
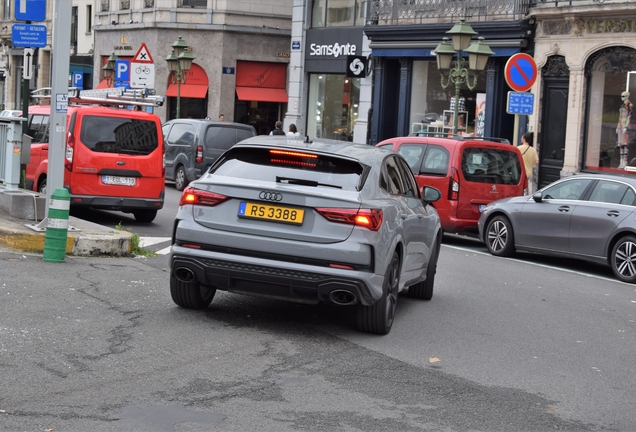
x=307, y=222
x=588, y=216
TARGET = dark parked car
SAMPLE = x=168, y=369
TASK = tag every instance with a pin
x=305, y=222
x=590, y=217
x=193, y=145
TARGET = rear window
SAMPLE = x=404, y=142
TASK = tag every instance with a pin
x=486, y=165
x=292, y=167
x=181, y=134
x=221, y=138
x=119, y=135
x=242, y=134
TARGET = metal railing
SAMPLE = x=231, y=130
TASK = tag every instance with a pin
x=553, y=3
x=397, y=12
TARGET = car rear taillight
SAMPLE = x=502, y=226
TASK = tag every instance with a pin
x=192, y=196
x=163, y=160
x=68, y=153
x=199, y=158
x=453, y=187
x=300, y=159
x=367, y=218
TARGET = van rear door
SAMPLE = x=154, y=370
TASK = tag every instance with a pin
x=116, y=153
x=490, y=171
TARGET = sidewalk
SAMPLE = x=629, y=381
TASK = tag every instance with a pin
x=84, y=238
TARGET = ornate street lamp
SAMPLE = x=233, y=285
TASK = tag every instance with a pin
x=478, y=54
x=109, y=68
x=179, y=62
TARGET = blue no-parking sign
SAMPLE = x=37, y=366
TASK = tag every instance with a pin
x=520, y=72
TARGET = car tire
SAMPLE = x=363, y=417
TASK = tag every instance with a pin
x=42, y=186
x=499, y=238
x=623, y=259
x=424, y=290
x=378, y=318
x=191, y=295
x=180, y=178
x=145, y=216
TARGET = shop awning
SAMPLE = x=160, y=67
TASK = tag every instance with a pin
x=260, y=94
x=103, y=84
x=261, y=81
x=188, y=91
x=196, y=85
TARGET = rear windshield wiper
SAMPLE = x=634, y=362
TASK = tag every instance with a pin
x=303, y=182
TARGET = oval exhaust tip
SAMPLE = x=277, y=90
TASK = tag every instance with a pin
x=342, y=297
x=184, y=274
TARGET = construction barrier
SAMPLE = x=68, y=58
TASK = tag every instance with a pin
x=57, y=227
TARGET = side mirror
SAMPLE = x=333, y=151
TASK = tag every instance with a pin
x=430, y=194
x=537, y=197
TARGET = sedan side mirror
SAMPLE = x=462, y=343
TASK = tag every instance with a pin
x=430, y=194
x=537, y=197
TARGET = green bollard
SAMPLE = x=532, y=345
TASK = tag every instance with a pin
x=57, y=227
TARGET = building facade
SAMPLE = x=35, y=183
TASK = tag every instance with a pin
x=586, y=54
x=241, y=51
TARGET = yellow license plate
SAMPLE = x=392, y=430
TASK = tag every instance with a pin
x=271, y=212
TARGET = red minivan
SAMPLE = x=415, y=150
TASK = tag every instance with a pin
x=114, y=158
x=470, y=173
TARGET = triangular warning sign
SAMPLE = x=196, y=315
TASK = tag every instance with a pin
x=143, y=55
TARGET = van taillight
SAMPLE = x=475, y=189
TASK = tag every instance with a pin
x=453, y=187
x=200, y=197
x=163, y=160
x=367, y=218
x=68, y=154
x=199, y=154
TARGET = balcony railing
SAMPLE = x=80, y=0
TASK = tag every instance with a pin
x=396, y=12
x=553, y=3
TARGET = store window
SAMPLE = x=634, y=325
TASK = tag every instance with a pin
x=333, y=106
x=332, y=13
x=432, y=106
x=611, y=125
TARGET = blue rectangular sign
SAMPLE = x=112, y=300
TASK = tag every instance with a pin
x=30, y=10
x=228, y=70
x=28, y=35
x=122, y=70
x=520, y=103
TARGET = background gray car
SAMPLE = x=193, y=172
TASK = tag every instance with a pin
x=313, y=222
x=591, y=217
x=193, y=145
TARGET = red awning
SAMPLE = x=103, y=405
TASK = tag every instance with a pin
x=188, y=91
x=103, y=84
x=260, y=94
x=196, y=85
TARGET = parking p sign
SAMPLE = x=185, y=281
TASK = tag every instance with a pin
x=122, y=70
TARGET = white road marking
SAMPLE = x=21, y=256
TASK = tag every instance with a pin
x=149, y=241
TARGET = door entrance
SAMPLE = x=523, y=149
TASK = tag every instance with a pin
x=556, y=82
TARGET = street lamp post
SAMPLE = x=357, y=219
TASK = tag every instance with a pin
x=478, y=54
x=109, y=68
x=179, y=62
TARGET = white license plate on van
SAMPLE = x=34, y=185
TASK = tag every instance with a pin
x=119, y=181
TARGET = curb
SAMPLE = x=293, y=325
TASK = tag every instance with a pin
x=117, y=243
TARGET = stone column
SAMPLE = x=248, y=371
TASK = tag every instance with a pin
x=360, y=130
x=575, y=122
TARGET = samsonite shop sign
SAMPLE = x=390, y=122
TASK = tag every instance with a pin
x=327, y=49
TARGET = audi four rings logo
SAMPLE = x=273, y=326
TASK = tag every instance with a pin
x=270, y=196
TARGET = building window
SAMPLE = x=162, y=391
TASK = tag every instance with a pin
x=334, y=13
x=149, y=3
x=333, y=106
x=74, y=27
x=7, y=9
x=105, y=5
x=124, y=5
x=610, y=143
x=89, y=18
x=431, y=105
x=194, y=3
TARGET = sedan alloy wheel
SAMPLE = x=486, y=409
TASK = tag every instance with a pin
x=499, y=237
x=624, y=259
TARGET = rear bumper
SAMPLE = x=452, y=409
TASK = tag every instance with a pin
x=275, y=279
x=118, y=203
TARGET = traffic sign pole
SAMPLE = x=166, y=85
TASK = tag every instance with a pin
x=59, y=81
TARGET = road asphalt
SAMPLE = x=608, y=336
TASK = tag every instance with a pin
x=84, y=238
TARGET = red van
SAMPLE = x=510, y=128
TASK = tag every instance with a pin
x=114, y=158
x=470, y=173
